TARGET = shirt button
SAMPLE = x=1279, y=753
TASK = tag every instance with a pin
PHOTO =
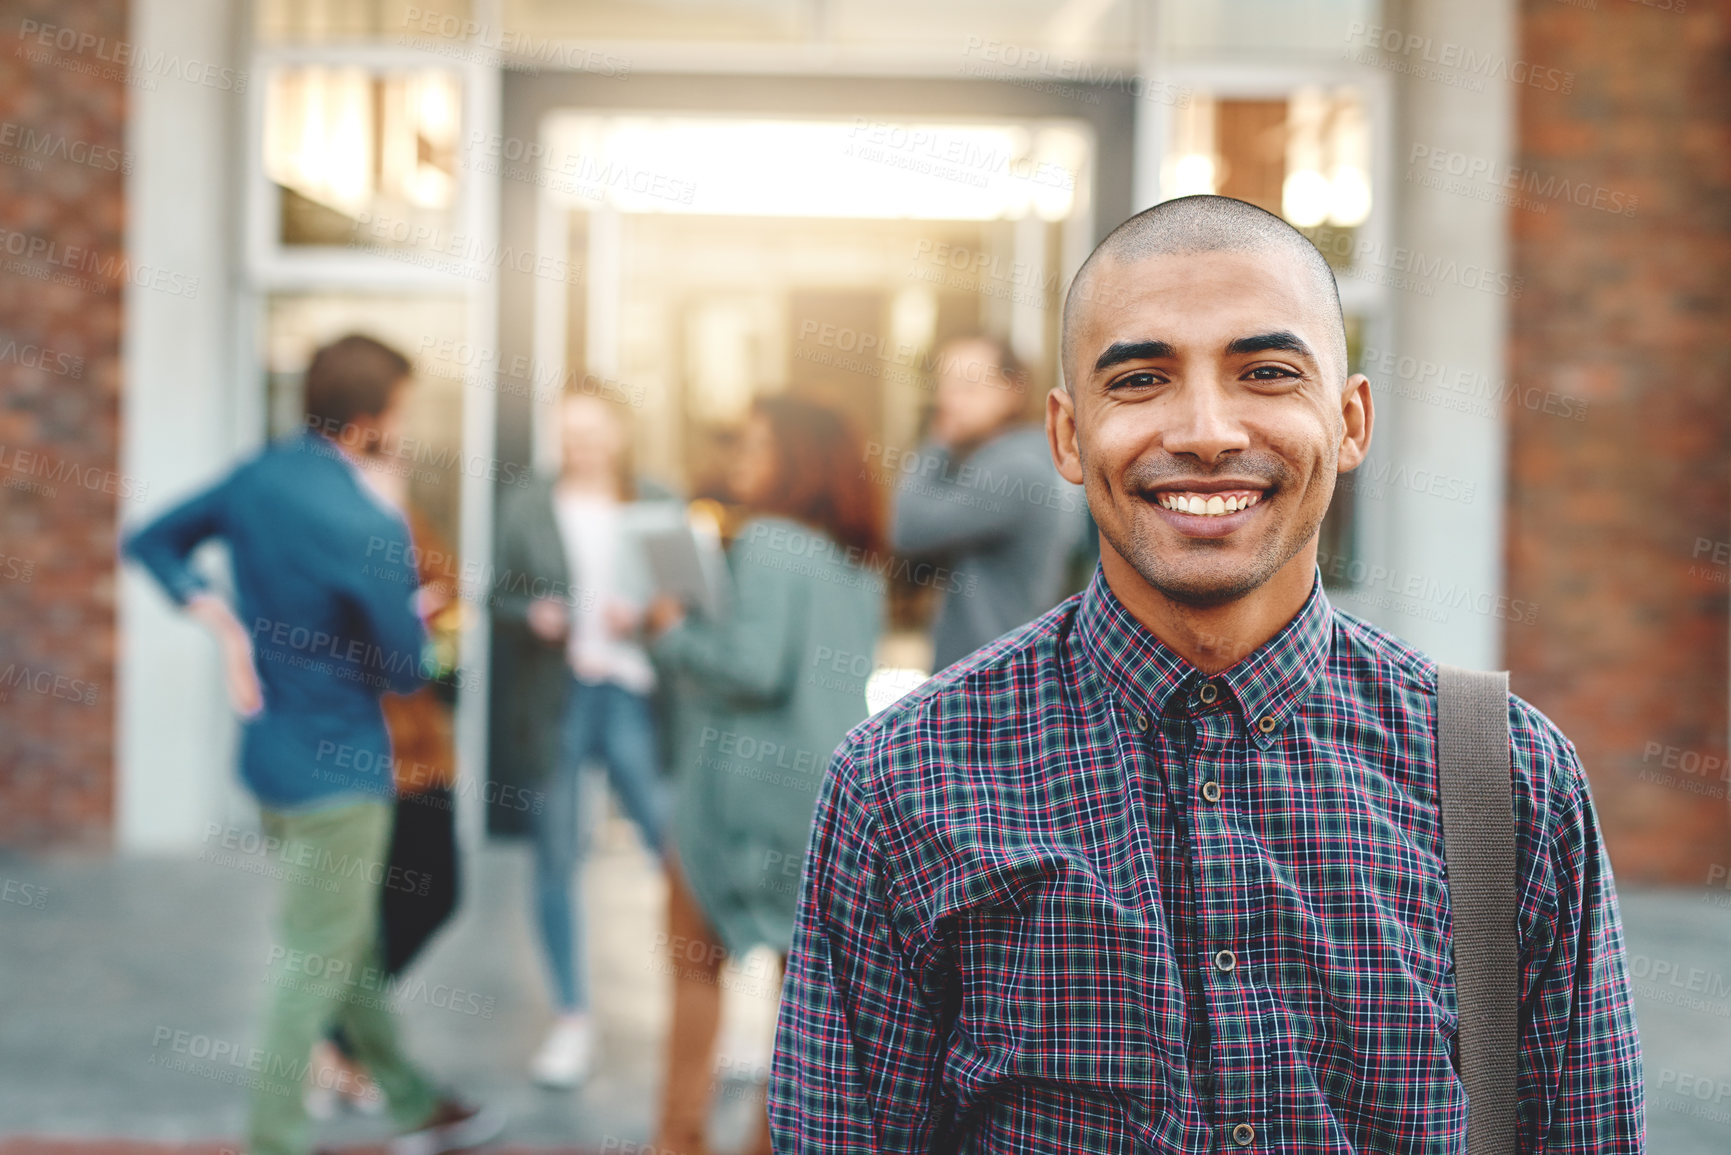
x=1225, y=961
x=1266, y=725
x=1209, y=692
x=1211, y=791
x=1142, y=722
x=1244, y=1134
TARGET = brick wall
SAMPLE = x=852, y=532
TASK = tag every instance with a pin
x=1619, y=524
x=62, y=184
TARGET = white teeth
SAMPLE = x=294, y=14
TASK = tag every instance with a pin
x=1213, y=506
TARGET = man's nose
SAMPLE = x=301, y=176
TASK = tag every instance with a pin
x=1202, y=424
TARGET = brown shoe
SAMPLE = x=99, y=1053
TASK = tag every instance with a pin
x=454, y=1126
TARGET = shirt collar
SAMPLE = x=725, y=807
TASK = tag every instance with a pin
x=322, y=446
x=1150, y=679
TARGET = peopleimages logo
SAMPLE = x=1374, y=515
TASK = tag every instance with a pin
x=108, y=268
x=949, y=155
x=521, y=50
x=32, y=356
x=1531, y=183
x=128, y=61
x=1415, y=269
x=58, y=146
x=47, y=683
x=579, y=174
x=1463, y=389
x=1449, y=61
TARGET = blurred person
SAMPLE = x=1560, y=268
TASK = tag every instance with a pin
x=329, y=619
x=585, y=689
x=985, y=501
x=423, y=828
x=760, y=714
x=1165, y=869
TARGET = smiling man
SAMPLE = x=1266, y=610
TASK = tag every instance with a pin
x=1164, y=871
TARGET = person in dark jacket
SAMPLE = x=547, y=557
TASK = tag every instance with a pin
x=329, y=619
x=985, y=501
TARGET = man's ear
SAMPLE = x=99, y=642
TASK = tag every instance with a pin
x=1357, y=416
x=1061, y=434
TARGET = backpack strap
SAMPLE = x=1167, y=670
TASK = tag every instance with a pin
x=1473, y=779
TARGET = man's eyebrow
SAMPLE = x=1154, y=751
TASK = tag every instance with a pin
x=1280, y=339
x=1121, y=351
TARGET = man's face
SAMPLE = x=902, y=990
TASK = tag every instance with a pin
x=1207, y=419
x=974, y=398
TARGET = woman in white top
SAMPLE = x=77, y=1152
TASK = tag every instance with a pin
x=607, y=716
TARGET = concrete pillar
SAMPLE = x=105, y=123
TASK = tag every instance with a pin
x=1448, y=267
x=175, y=747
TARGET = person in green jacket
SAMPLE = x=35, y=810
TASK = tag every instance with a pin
x=767, y=693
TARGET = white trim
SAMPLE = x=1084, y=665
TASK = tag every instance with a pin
x=549, y=338
x=481, y=105
x=861, y=61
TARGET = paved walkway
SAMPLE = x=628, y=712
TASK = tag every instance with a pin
x=129, y=983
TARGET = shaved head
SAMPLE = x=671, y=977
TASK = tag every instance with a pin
x=1204, y=224
x=1207, y=409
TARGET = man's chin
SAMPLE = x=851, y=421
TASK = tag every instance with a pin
x=1202, y=573
x=1203, y=591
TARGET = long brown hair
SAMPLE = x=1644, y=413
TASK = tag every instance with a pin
x=821, y=478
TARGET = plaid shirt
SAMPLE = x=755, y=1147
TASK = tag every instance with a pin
x=1074, y=896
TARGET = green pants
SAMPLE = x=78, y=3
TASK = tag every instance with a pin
x=323, y=970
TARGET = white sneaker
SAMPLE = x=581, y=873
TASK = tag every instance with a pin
x=568, y=1054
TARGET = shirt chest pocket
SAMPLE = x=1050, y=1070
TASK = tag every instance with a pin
x=1061, y=980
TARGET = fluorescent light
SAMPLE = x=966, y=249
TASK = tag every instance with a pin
x=856, y=168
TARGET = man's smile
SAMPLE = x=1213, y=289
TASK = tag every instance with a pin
x=1207, y=502
x=1211, y=507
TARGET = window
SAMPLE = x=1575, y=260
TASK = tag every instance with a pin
x=362, y=158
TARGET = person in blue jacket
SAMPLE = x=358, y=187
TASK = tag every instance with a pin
x=327, y=617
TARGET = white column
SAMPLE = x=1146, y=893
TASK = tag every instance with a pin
x=174, y=740
x=1446, y=549
x=482, y=97
x=1151, y=123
